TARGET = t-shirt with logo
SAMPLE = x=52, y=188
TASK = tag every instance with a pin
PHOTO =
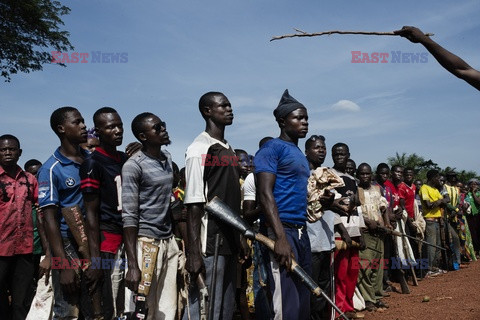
x=59, y=185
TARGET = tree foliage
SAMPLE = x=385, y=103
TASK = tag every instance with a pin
x=421, y=166
x=27, y=29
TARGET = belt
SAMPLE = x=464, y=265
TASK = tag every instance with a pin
x=293, y=225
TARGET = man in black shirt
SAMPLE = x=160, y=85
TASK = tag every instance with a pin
x=211, y=170
x=101, y=186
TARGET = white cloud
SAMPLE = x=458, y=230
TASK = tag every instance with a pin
x=346, y=105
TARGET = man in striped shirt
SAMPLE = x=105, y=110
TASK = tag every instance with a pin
x=147, y=179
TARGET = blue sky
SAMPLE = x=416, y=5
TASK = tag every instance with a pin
x=178, y=50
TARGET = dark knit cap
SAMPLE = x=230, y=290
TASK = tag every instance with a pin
x=286, y=105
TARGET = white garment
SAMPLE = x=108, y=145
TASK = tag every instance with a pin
x=249, y=188
x=358, y=301
x=162, y=298
x=42, y=304
x=419, y=221
x=405, y=252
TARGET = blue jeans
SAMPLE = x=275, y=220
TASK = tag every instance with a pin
x=432, y=235
x=454, y=244
x=69, y=306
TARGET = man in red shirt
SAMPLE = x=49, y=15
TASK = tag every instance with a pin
x=406, y=190
x=18, y=192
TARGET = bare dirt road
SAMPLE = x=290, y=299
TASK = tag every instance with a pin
x=455, y=295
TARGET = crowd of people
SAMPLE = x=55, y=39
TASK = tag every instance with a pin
x=97, y=233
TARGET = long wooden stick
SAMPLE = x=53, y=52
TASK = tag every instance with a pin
x=301, y=33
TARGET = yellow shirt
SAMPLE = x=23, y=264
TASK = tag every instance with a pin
x=431, y=194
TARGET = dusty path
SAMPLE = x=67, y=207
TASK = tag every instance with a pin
x=455, y=295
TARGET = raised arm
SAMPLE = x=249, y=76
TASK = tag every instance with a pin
x=453, y=63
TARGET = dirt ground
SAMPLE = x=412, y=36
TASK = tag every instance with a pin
x=455, y=295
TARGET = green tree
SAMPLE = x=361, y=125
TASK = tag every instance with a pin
x=422, y=166
x=464, y=176
x=411, y=161
x=27, y=29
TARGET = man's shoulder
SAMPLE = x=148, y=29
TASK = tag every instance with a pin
x=29, y=176
x=167, y=154
x=388, y=183
x=402, y=186
x=49, y=165
x=90, y=160
x=278, y=144
x=134, y=160
x=279, y=148
x=372, y=188
x=390, y=186
x=122, y=156
x=200, y=145
x=425, y=188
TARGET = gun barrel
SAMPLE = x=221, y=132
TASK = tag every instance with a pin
x=422, y=241
x=399, y=234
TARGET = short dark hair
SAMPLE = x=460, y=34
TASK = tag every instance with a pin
x=363, y=164
x=206, y=100
x=263, y=141
x=312, y=139
x=339, y=145
x=137, y=123
x=102, y=111
x=237, y=151
x=432, y=173
x=352, y=161
x=30, y=163
x=10, y=137
x=408, y=169
x=395, y=166
x=381, y=166
x=58, y=117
